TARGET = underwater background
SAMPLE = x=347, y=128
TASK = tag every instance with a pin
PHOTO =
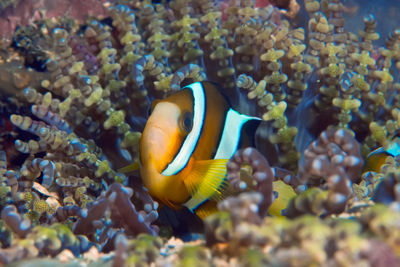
x=320, y=188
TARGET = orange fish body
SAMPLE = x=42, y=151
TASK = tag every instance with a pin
x=185, y=145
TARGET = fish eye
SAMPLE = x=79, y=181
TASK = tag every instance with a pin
x=187, y=122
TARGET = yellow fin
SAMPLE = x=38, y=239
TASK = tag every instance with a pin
x=206, y=181
x=285, y=194
x=375, y=161
x=206, y=209
x=130, y=168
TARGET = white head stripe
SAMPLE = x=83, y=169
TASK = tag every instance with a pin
x=188, y=146
x=231, y=134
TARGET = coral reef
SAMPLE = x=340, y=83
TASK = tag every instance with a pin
x=15, y=13
x=75, y=96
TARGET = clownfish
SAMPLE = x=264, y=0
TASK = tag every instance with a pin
x=377, y=158
x=185, y=145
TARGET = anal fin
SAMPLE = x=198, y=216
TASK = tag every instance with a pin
x=206, y=209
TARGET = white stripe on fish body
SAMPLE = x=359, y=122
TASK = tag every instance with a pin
x=188, y=146
x=231, y=134
x=226, y=149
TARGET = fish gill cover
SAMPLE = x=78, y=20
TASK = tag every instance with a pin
x=76, y=91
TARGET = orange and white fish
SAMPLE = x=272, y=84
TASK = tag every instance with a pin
x=186, y=143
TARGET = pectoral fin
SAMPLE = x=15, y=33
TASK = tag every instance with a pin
x=206, y=182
